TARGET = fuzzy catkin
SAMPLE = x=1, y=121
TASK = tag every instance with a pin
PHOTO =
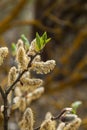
x=32, y=48
x=18, y=92
x=19, y=44
x=43, y=67
x=30, y=84
x=61, y=126
x=19, y=103
x=37, y=59
x=26, y=75
x=22, y=59
x=3, y=54
x=48, y=116
x=16, y=103
x=28, y=120
x=34, y=95
x=22, y=106
x=47, y=125
x=12, y=75
x=73, y=125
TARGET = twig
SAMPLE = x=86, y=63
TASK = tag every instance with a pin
x=4, y=97
x=5, y=112
x=17, y=80
x=58, y=116
x=2, y=92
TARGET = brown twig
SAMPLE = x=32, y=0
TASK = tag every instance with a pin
x=4, y=97
x=7, y=91
x=2, y=92
x=58, y=116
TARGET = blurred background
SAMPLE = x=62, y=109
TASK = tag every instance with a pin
x=65, y=21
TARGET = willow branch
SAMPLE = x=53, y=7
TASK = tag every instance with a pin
x=75, y=45
x=2, y=92
x=66, y=83
x=19, y=76
x=37, y=24
x=58, y=116
x=81, y=64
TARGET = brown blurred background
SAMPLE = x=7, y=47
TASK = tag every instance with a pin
x=65, y=21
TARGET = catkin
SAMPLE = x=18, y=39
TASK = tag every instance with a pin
x=30, y=84
x=47, y=125
x=3, y=54
x=73, y=125
x=28, y=120
x=43, y=67
x=12, y=75
x=22, y=59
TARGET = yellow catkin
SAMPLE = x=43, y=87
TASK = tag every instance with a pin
x=18, y=92
x=28, y=121
x=37, y=58
x=73, y=125
x=30, y=84
x=49, y=116
x=22, y=59
x=43, y=67
x=16, y=103
x=34, y=95
x=22, y=106
x=32, y=48
x=19, y=44
x=47, y=125
x=12, y=75
x=26, y=75
x=3, y=54
x=61, y=126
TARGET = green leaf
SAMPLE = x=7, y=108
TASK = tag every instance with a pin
x=13, y=48
x=26, y=42
x=38, y=42
x=75, y=105
x=48, y=40
x=44, y=37
x=41, y=41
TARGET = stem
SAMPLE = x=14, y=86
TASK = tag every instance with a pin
x=5, y=94
x=2, y=92
x=18, y=78
x=5, y=113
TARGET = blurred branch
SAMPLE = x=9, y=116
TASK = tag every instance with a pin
x=36, y=23
x=4, y=24
x=66, y=83
x=75, y=45
x=3, y=4
x=59, y=21
x=80, y=65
